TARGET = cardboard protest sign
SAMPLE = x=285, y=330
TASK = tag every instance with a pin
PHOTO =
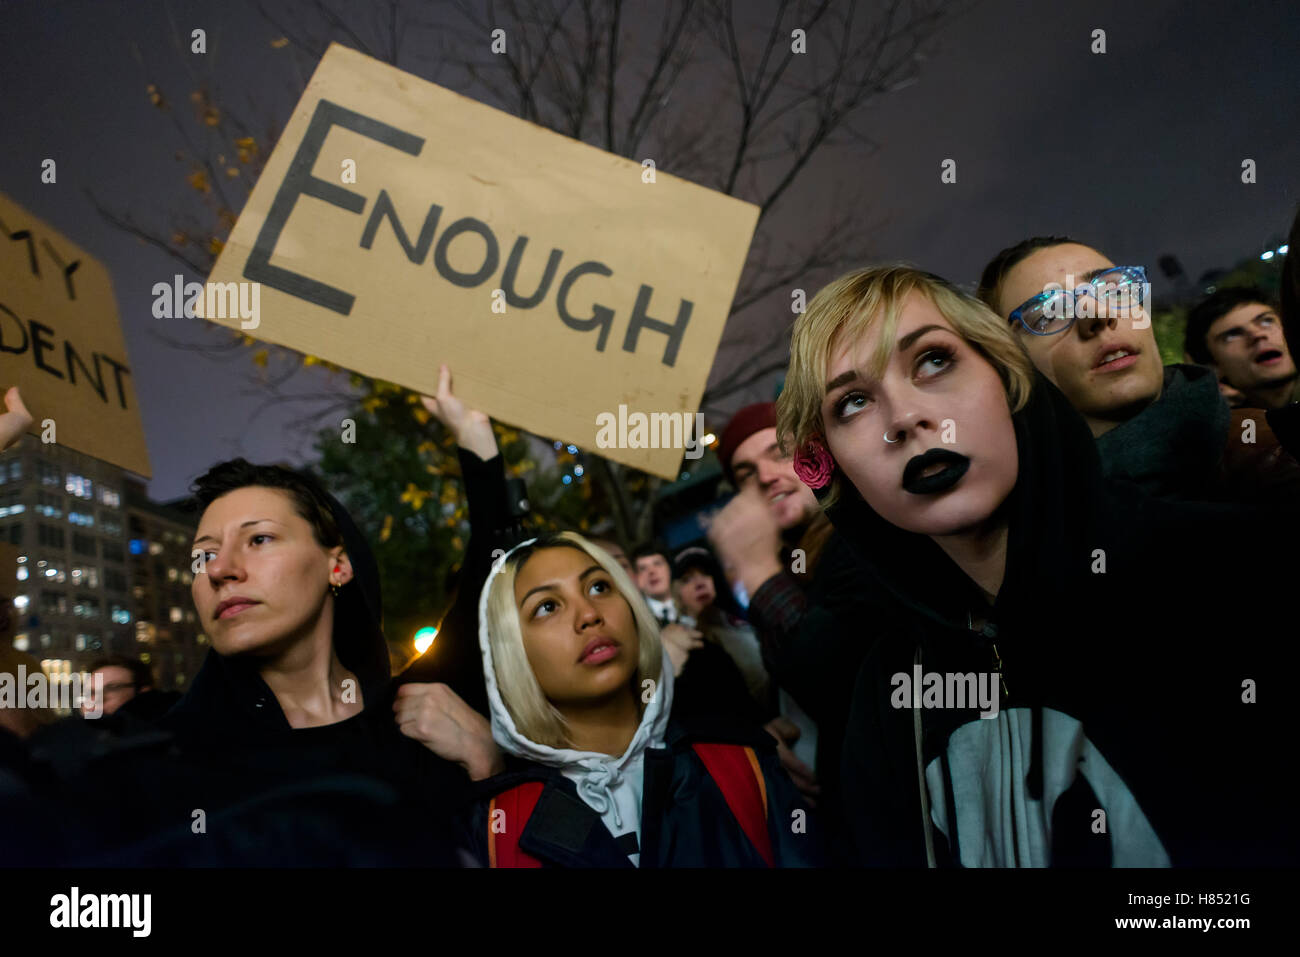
x=574, y=293
x=61, y=344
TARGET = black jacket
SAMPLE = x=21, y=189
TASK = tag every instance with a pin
x=224, y=780
x=1124, y=643
x=685, y=820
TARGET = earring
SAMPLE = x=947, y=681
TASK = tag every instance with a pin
x=334, y=589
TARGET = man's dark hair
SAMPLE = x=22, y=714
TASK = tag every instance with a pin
x=141, y=674
x=1001, y=264
x=646, y=549
x=309, y=498
x=1215, y=306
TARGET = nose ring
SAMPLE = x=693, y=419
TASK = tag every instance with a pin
x=894, y=441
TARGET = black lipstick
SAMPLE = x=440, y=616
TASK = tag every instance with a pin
x=954, y=467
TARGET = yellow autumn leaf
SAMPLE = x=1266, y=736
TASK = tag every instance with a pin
x=260, y=357
x=199, y=180
x=279, y=43
x=387, y=529
x=414, y=496
x=212, y=116
x=372, y=404
x=309, y=360
x=232, y=172
x=421, y=414
x=215, y=245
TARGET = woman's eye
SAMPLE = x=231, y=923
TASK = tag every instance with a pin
x=544, y=607
x=600, y=586
x=1266, y=320
x=934, y=361
x=850, y=405
x=209, y=556
x=254, y=540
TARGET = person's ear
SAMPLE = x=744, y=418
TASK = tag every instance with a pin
x=340, y=566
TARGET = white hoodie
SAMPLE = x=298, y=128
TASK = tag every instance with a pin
x=610, y=786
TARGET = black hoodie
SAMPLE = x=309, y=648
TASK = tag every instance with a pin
x=1125, y=629
x=356, y=792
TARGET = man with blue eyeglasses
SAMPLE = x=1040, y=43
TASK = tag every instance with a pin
x=1086, y=324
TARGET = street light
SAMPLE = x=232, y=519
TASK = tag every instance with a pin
x=424, y=638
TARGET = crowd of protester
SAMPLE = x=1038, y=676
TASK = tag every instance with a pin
x=996, y=587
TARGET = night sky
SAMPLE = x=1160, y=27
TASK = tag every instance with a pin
x=1137, y=151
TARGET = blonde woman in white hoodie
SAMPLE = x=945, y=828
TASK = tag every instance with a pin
x=598, y=774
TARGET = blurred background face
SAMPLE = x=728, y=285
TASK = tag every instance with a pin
x=259, y=551
x=616, y=552
x=1085, y=361
x=758, y=462
x=1248, y=348
x=119, y=688
x=579, y=633
x=653, y=576
x=934, y=387
x=697, y=591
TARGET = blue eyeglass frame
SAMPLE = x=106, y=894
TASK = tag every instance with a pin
x=1132, y=273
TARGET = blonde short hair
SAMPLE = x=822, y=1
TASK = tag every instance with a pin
x=850, y=306
x=534, y=716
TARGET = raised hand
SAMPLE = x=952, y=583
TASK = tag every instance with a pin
x=471, y=428
x=14, y=422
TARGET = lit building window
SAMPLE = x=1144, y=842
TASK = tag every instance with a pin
x=21, y=602
x=21, y=642
x=84, y=519
x=137, y=546
x=175, y=613
x=155, y=548
x=109, y=497
x=22, y=573
x=173, y=574
x=79, y=486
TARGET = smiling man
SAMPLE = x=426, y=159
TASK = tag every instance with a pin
x=1086, y=324
x=1239, y=333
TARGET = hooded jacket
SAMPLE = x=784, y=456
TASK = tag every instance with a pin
x=1120, y=651
x=653, y=806
x=1189, y=445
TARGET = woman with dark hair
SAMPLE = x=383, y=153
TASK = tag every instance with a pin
x=581, y=694
x=287, y=737
x=1041, y=691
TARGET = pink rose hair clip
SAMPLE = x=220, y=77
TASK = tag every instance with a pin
x=813, y=464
